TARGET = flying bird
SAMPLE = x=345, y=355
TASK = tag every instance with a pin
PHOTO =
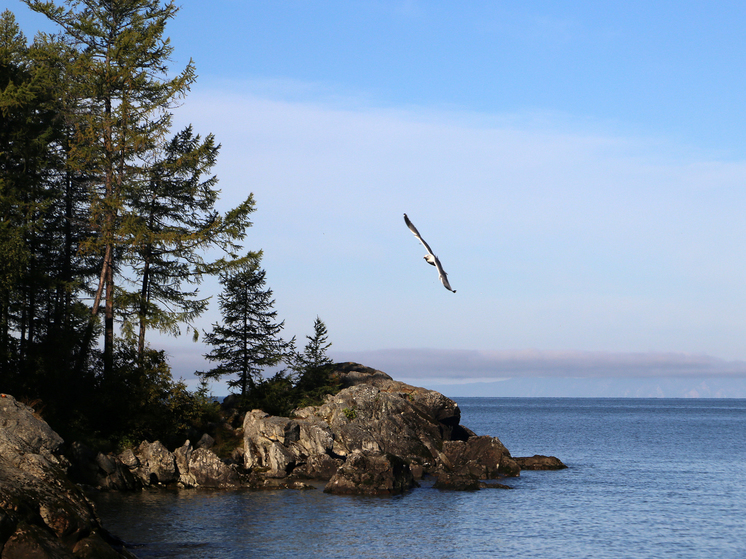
x=430, y=258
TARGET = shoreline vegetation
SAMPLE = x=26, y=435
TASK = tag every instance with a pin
x=373, y=436
x=108, y=228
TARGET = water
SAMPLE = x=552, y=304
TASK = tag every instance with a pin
x=646, y=479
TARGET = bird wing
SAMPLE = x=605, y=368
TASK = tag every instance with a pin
x=413, y=229
x=441, y=272
x=442, y=275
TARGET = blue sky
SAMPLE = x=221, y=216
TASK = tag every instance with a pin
x=578, y=168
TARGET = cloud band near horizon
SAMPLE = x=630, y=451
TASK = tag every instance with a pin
x=479, y=366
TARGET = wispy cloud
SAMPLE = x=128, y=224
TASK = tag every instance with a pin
x=556, y=235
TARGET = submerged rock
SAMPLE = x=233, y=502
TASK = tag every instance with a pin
x=539, y=462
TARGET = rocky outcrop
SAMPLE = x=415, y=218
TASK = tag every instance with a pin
x=372, y=419
x=376, y=435
x=277, y=446
x=481, y=457
x=151, y=464
x=42, y=513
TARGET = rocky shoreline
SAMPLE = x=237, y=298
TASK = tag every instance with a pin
x=376, y=436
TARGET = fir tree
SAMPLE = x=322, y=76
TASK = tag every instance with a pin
x=312, y=369
x=248, y=340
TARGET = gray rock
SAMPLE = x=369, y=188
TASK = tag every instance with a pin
x=210, y=471
x=539, y=462
x=156, y=465
x=482, y=457
x=457, y=481
x=206, y=442
x=366, y=473
x=373, y=415
x=98, y=470
x=42, y=513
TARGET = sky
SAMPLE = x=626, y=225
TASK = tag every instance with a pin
x=578, y=168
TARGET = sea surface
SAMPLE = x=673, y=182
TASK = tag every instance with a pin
x=647, y=478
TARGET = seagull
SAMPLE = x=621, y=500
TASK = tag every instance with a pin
x=430, y=258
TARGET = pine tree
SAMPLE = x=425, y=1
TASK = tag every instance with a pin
x=247, y=341
x=41, y=275
x=314, y=355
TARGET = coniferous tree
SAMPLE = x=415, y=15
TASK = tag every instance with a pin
x=30, y=166
x=248, y=340
x=120, y=75
x=173, y=221
x=314, y=354
x=312, y=369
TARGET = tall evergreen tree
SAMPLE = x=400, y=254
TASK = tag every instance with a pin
x=248, y=340
x=312, y=369
x=172, y=222
x=120, y=73
x=41, y=212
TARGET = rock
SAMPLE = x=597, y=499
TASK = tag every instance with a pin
x=129, y=459
x=182, y=455
x=277, y=445
x=482, y=457
x=210, y=471
x=206, y=442
x=95, y=547
x=155, y=464
x=493, y=485
x=366, y=473
x=318, y=466
x=98, y=470
x=373, y=415
x=265, y=443
x=457, y=481
x=539, y=462
x=32, y=542
x=42, y=513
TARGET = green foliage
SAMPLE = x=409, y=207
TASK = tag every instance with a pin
x=247, y=341
x=313, y=369
x=101, y=203
x=309, y=383
x=350, y=413
x=140, y=401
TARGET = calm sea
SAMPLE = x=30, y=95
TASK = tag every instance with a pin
x=646, y=478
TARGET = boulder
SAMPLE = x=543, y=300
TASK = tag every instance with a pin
x=98, y=470
x=43, y=514
x=210, y=471
x=482, y=457
x=278, y=445
x=206, y=442
x=368, y=473
x=539, y=462
x=457, y=481
x=155, y=464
